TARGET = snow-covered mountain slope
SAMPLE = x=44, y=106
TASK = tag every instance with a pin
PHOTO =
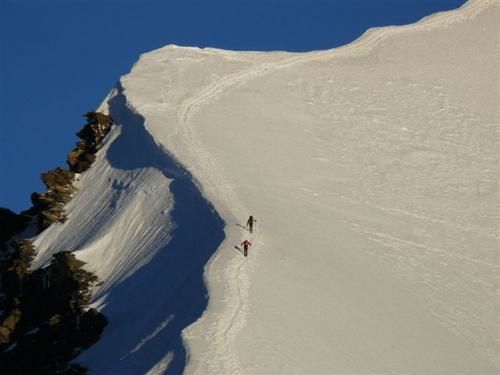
x=373, y=172
x=143, y=227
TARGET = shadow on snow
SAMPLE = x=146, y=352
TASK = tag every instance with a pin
x=167, y=294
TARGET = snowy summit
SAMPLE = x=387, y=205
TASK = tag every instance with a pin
x=372, y=171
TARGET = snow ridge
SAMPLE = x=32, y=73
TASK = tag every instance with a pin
x=347, y=273
x=141, y=224
x=190, y=101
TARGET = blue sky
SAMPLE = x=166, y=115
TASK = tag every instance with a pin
x=58, y=59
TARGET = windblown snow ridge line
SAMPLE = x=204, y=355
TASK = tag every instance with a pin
x=167, y=293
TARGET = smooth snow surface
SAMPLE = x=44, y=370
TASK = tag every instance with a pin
x=373, y=172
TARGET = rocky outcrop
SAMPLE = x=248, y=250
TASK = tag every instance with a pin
x=9, y=325
x=92, y=135
x=43, y=313
x=50, y=205
x=79, y=160
x=98, y=118
x=11, y=223
x=14, y=269
x=47, y=320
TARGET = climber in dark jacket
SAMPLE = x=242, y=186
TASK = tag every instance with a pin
x=250, y=222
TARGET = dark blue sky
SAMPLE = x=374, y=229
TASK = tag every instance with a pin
x=58, y=59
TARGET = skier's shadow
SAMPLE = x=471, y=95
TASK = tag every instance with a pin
x=238, y=248
x=241, y=226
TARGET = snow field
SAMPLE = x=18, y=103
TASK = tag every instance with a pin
x=373, y=172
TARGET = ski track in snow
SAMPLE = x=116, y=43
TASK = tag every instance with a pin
x=363, y=45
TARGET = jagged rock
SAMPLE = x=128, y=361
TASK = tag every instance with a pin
x=74, y=155
x=92, y=135
x=79, y=160
x=49, y=349
x=14, y=270
x=92, y=324
x=83, y=156
x=58, y=176
x=88, y=158
x=62, y=189
x=74, y=159
x=66, y=261
x=12, y=320
x=9, y=326
x=22, y=257
x=11, y=223
x=80, y=166
x=98, y=118
x=49, y=205
x=54, y=214
x=57, y=197
x=43, y=311
x=71, y=281
x=54, y=320
x=4, y=335
x=50, y=324
x=41, y=201
x=87, y=133
x=60, y=197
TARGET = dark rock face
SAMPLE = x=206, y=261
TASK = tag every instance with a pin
x=44, y=322
x=79, y=160
x=9, y=325
x=57, y=177
x=11, y=223
x=98, y=118
x=45, y=319
x=92, y=135
x=14, y=269
x=50, y=205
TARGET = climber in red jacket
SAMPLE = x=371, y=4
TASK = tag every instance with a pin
x=245, y=245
